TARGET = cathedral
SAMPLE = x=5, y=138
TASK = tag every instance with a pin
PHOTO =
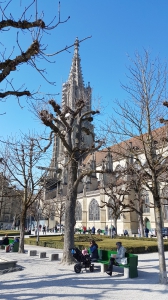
x=89, y=209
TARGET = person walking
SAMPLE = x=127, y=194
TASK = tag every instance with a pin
x=44, y=229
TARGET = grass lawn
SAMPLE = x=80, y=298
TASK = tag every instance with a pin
x=133, y=245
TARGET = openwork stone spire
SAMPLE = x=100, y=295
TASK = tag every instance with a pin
x=75, y=71
x=74, y=88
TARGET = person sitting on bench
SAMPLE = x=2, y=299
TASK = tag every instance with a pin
x=16, y=240
x=5, y=240
x=94, y=251
x=116, y=258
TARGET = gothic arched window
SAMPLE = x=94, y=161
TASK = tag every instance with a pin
x=78, y=211
x=118, y=170
x=165, y=202
x=146, y=202
x=94, y=210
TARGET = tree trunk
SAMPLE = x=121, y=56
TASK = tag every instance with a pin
x=115, y=224
x=162, y=264
x=60, y=220
x=22, y=229
x=141, y=227
x=70, y=212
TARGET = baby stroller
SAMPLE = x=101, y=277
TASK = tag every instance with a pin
x=84, y=261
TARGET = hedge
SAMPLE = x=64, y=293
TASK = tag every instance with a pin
x=104, y=243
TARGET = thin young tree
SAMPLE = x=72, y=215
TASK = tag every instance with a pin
x=128, y=181
x=60, y=209
x=140, y=114
x=9, y=195
x=21, y=162
x=117, y=193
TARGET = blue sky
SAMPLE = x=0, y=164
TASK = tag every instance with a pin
x=118, y=28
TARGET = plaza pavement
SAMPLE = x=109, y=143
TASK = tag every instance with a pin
x=49, y=280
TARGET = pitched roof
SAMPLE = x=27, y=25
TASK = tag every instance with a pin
x=136, y=143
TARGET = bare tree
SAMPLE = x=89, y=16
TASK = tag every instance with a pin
x=70, y=125
x=117, y=192
x=129, y=181
x=9, y=197
x=36, y=28
x=140, y=115
x=60, y=209
x=53, y=208
x=138, y=203
x=48, y=209
x=21, y=163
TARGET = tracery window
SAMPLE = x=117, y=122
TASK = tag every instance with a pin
x=94, y=210
x=165, y=202
x=146, y=202
x=118, y=170
x=78, y=211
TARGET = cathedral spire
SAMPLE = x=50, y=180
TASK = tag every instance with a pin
x=75, y=74
x=74, y=88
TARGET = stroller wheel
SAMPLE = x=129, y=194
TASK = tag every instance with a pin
x=77, y=268
x=91, y=268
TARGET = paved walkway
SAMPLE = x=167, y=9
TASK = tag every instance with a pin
x=43, y=279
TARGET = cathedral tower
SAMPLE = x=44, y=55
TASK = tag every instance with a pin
x=72, y=91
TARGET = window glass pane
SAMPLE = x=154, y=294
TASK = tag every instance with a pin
x=78, y=211
x=146, y=202
x=165, y=202
x=94, y=211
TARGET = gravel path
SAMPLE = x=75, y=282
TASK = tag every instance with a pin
x=49, y=280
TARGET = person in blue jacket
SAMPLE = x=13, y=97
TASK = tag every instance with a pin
x=94, y=250
x=93, y=230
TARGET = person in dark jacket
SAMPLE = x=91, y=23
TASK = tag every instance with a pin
x=5, y=240
x=94, y=250
x=146, y=231
x=93, y=230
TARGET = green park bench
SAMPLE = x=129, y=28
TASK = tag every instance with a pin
x=15, y=247
x=130, y=269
